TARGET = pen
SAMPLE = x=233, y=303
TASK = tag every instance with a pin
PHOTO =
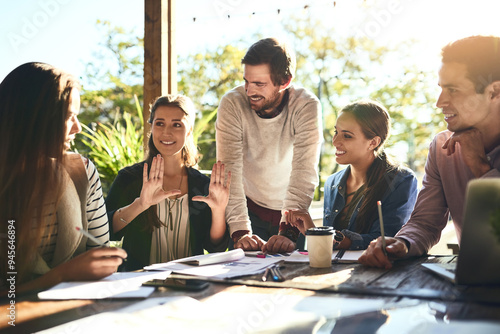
x=94, y=239
x=339, y=255
x=266, y=273
x=275, y=272
x=382, y=234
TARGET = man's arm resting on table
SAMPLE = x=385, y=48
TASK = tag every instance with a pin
x=245, y=240
x=374, y=255
x=284, y=242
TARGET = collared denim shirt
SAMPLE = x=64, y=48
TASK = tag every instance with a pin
x=397, y=205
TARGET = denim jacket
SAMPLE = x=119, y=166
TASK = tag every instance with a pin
x=397, y=206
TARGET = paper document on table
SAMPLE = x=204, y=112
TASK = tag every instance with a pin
x=264, y=254
x=202, y=260
x=117, y=285
x=445, y=270
x=350, y=256
x=243, y=267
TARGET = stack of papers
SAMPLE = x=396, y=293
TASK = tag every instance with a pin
x=225, y=268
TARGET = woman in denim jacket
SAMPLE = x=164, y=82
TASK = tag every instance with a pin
x=351, y=195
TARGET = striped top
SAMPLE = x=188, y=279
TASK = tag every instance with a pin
x=96, y=217
x=172, y=241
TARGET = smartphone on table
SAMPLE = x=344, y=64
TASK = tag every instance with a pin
x=178, y=283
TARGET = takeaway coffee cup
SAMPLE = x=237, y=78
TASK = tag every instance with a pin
x=320, y=246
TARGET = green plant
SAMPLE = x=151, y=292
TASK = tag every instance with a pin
x=115, y=146
x=201, y=125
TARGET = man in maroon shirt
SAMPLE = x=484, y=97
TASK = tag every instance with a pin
x=470, y=99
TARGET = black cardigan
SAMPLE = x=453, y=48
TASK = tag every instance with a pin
x=137, y=238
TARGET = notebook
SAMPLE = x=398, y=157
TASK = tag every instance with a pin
x=478, y=259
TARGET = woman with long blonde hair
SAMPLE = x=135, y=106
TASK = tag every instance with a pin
x=47, y=192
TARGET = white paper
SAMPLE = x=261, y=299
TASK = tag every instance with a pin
x=147, y=316
x=350, y=256
x=117, y=285
x=205, y=259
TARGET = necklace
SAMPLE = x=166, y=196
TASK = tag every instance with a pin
x=170, y=207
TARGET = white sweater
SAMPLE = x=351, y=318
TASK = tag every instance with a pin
x=272, y=161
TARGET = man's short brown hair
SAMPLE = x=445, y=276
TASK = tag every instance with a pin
x=280, y=58
x=481, y=56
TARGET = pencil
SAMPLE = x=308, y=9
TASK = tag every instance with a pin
x=91, y=237
x=382, y=234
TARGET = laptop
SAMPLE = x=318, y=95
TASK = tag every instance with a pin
x=479, y=256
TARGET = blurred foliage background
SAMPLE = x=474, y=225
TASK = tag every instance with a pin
x=338, y=69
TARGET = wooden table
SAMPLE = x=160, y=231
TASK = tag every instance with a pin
x=400, y=293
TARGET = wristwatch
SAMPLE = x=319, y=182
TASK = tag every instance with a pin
x=338, y=236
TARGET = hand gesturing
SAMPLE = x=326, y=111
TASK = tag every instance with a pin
x=152, y=188
x=218, y=193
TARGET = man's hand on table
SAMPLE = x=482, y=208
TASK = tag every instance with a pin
x=278, y=244
x=249, y=242
x=374, y=256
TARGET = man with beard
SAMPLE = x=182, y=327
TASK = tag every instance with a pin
x=269, y=135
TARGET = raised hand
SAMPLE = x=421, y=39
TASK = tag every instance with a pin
x=218, y=193
x=152, y=187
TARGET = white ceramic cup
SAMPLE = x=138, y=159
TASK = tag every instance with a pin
x=320, y=246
